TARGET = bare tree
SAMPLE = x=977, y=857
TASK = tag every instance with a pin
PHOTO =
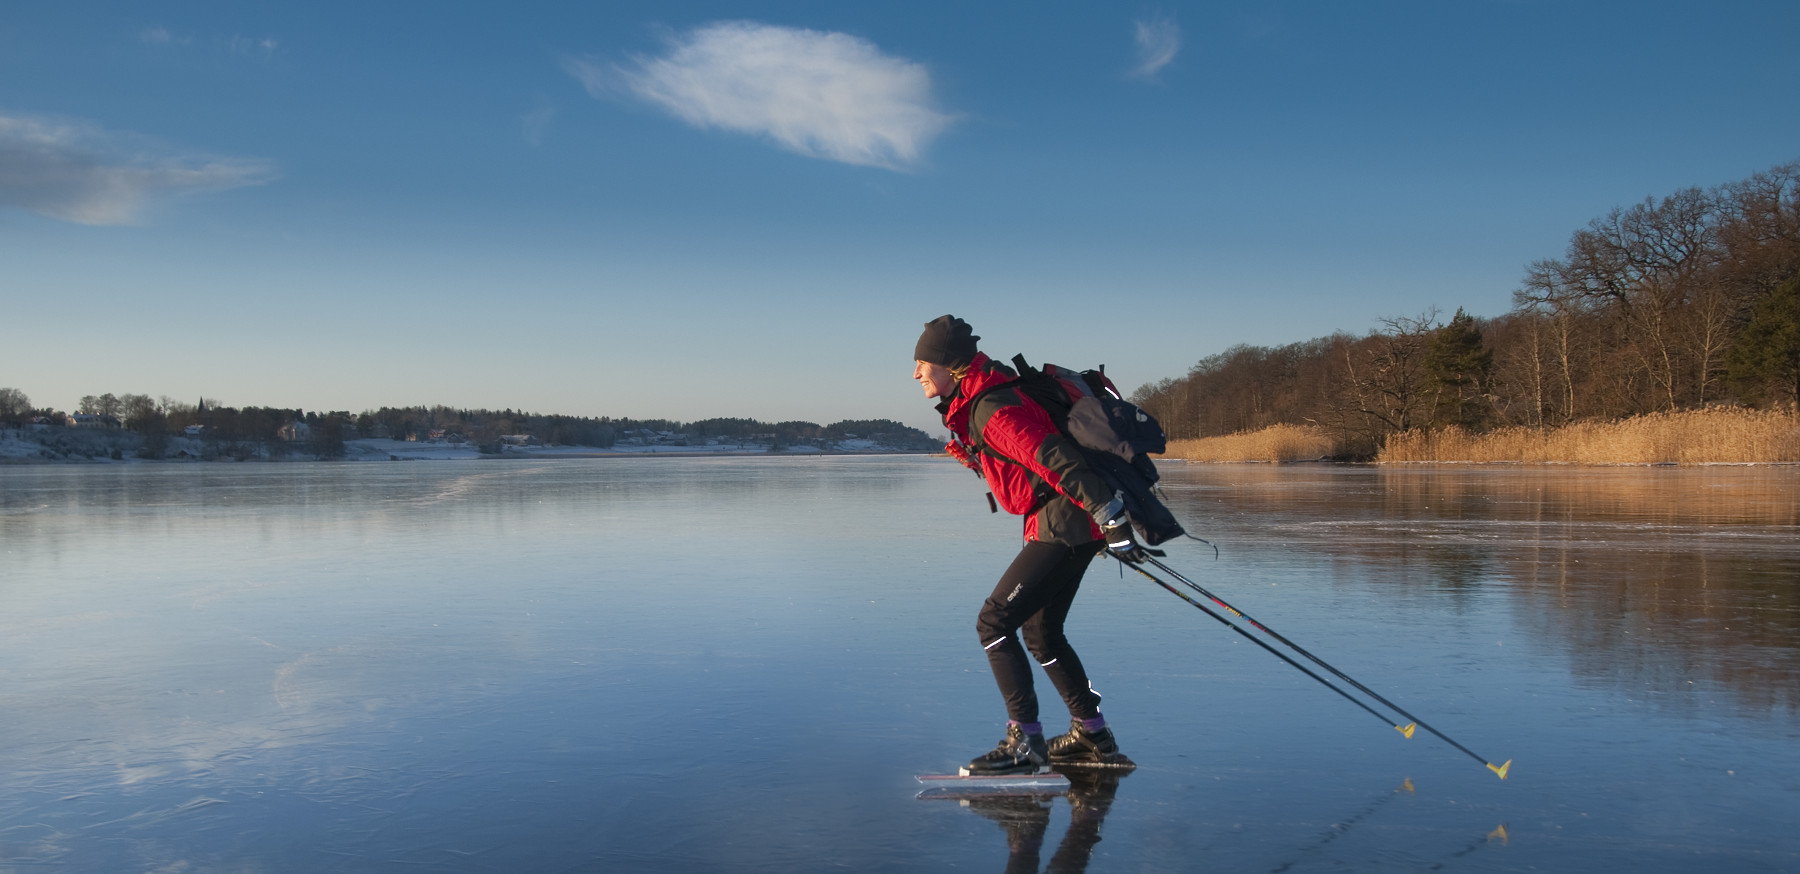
x=1551, y=295
x=14, y=406
x=1647, y=262
x=1712, y=312
x=1386, y=377
x=1759, y=229
x=136, y=407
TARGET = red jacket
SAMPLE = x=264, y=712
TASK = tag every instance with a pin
x=1038, y=471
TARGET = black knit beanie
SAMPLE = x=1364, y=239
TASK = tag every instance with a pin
x=947, y=342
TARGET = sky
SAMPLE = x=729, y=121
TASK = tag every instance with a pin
x=690, y=210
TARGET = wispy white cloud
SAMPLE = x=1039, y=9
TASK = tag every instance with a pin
x=78, y=172
x=237, y=44
x=821, y=94
x=1158, y=41
x=251, y=46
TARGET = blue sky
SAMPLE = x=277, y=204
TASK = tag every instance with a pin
x=749, y=209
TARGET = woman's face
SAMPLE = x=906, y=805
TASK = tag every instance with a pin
x=935, y=379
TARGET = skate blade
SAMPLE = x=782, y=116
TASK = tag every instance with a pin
x=964, y=772
x=1116, y=761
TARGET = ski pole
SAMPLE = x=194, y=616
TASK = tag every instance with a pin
x=1254, y=639
x=1408, y=730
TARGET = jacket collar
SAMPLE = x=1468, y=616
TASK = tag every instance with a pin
x=984, y=373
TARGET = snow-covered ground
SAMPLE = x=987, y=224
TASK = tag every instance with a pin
x=83, y=446
x=14, y=448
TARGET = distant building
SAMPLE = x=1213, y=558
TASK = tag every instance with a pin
x=519, y=440
x=194, y=430
x=94, y=420
x=295, y=431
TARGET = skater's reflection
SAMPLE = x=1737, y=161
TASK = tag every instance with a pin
x=1025, y=818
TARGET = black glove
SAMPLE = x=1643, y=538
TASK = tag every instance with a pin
x=1121, y=543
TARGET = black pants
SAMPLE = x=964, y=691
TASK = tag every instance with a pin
x=1035, y=594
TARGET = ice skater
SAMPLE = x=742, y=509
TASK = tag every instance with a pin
x=1071, y=515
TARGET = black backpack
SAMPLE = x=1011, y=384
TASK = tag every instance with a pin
x=1115, y=437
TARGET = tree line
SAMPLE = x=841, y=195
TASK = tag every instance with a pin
x=1674, y=303
x=884, y=431
x=247, y=431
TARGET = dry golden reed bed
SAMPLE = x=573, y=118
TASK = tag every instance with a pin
x=1720, y=435
x=1274, y=443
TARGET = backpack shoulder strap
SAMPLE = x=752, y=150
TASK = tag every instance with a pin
x=975, y=438
x=1032, y=384
x=975, y=403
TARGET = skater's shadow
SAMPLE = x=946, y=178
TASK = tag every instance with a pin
x=1025, y=819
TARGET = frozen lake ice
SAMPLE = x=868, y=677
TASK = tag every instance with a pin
x=738, y=664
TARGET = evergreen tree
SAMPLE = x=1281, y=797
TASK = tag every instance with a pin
x=1457, y=367
x=327, y=438
x=1767, y=351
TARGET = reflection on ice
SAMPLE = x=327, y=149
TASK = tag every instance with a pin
x=1026, y=818
x=1673, y=583
x=1343, y=827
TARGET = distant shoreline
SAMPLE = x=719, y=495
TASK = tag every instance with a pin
x=397, y=457
x=114, y=446
x=510, y=456
x=525, y=456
